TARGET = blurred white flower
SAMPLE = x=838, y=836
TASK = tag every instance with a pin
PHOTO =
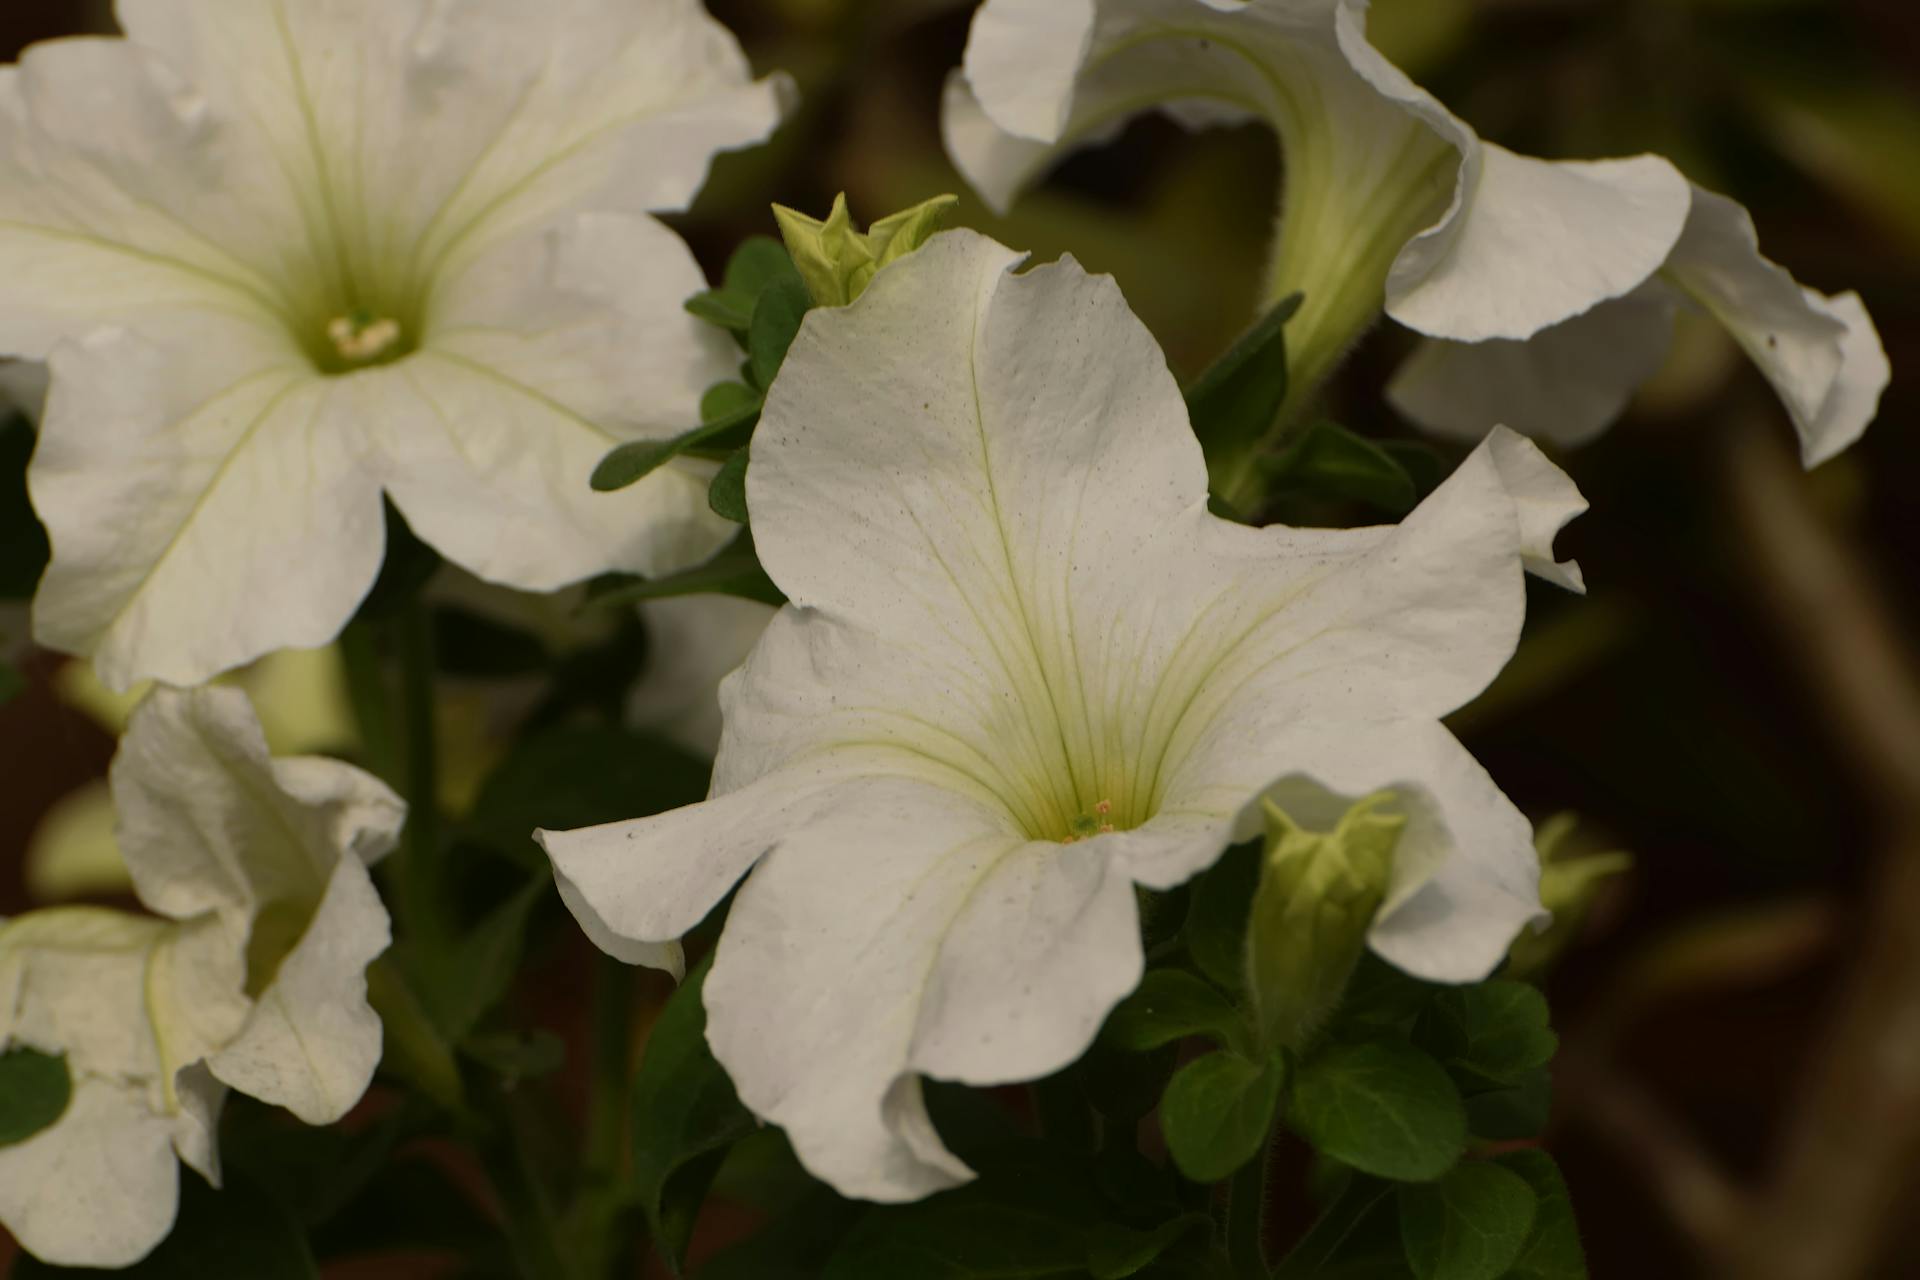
x=1549, y=288
x=692, y=642
x=1023, y=671
x=251, y=975
x=284, y=258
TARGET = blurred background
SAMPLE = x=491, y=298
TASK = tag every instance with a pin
x=1735, y=703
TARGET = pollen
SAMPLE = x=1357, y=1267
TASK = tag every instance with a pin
x=1092, y=823
x=360, y=337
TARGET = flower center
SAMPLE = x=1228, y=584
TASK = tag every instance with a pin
x=1095, y=821
x=360, y=338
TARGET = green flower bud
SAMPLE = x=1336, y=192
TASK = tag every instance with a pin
x=1568, y=888
x=838, y=262
x=1317, y=897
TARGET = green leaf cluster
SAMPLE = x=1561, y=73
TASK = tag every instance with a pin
x=761, y=301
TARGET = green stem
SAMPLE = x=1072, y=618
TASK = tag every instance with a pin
x=371, y=699
x=421, y=887
x=531, y=1225
x=612, y=1069
x=1247, y=1219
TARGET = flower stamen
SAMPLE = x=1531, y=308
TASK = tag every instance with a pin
x=360, y=337
x=1092, y=823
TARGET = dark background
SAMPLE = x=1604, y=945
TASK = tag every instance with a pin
x=1735, y=702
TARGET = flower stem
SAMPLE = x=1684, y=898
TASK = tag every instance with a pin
x=372, y=703
x=420, y=873
x=1247, y=1219
x=612, y=1069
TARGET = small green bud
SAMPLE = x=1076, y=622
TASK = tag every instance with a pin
x=838, y=262
x=1308, y=929
x=1569, y=885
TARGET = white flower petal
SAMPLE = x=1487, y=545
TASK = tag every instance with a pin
x=692, y=642
x=549, y=351
x=209, y=823
x=117, y=200
x=207, y=503
x=1821, y=354
x=1535, y=243
x=492, y=114
x=100, y=1187
x=1564, y=385
x=312, y=1041
x=910, y=932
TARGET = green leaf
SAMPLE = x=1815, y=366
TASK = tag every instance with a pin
x=1553, y=1250
x=517, y=1056
x=633, y=461
x=1384, y=1108
x=730, y=404
x=727, y=495
x=1234, y=403
x=1329, y=461
x=1124, y=1086
x=794, y=1246
x=1168, y=1006
x=1218, y=1113
x=685, y=1116
x=23, y=542
x=415, y=1048
x=755, y=266
x=776, y=320
x=1471, y=1224
x=461, y=982
x=1380, y=998
x=1513, y=1112
x=34, y=1091
x=735, y=571
x=1490, y=1033
x=1217, y=915
x=237, y=1231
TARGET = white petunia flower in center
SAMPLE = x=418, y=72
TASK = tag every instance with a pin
x=1548, y=288
x=250, y=975
x=285, y=256
x=1023, y=671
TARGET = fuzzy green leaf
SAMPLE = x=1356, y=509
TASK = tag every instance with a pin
x=1168, y=1006
x=1471, y=1224
x=1384, y=1108
x=1218, y=1113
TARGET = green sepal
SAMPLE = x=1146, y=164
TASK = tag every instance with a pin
x=1553, y=1250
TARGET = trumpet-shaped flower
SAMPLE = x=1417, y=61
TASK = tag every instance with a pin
x=1024, y=671
x=251, y=974
x=283, y=258
x=1548, y=288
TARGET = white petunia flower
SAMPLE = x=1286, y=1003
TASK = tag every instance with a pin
x=1548, y=287
x=1023, y=671
x=252, y=974
x=284, y=257
x=692, y=642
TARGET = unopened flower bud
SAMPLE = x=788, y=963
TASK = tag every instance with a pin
x=1318, y=894
x=838, y=262
x=1569, y=886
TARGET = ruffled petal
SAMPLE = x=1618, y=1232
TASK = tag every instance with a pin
x=312, y=1041
x=1821, y=354
x=909, y=931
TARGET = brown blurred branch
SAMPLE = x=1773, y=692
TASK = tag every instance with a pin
x=1850, y=1140
x=1849, y=1144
